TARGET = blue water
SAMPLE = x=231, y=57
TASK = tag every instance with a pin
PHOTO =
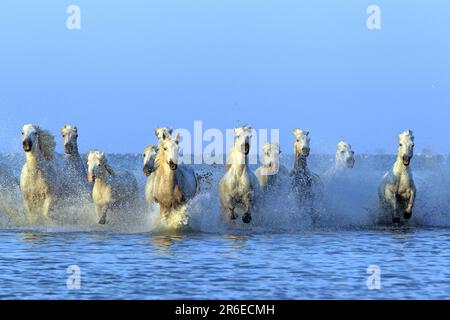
x=281, y=255
x=414, y=264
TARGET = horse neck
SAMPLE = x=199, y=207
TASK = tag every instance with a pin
x=75, y=159
x=301, y=163
x=163, y=171
x=340, y=165
x=239, y=162
x=34, y=159
x=102, y=182
x=399, y=167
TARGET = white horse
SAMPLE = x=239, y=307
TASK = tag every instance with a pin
x=397, y=191
x=75, y=183
x=239, y=184
x=39, y=182
x=344, y=160
x=173, y=183
x=269, y=173
x=112, y=191
x=149, y=168
x=306, y=185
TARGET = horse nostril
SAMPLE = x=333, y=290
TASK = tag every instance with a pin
x=27, y=145
x=172, y=165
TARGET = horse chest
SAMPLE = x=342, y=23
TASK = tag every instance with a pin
x=240, y=184
x=102, y=194
x=167, y=193
x=404, y=185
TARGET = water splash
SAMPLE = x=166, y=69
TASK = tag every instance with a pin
x=349, y=200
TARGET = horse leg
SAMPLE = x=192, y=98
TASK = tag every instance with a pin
x=408, y=211
x=247, y=201
x=228, y=206
x=47, y=208
x=391, y=199
x=101, y=211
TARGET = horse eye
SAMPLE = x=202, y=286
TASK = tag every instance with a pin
x=165, y=149
x=401, y=145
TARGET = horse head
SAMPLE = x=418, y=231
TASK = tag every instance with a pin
x=69, y=134
x=302, y=142
x=345, y=155
x=168, y=151
x=242, y=138
x=98, y=166
x=406, y=147
x=149, y=156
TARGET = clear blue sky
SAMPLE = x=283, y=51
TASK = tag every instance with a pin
x=136, y=65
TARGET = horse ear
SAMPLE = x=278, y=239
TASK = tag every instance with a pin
x=177, y=137
x=76, y=129
x=306, y=133
x=159, y=132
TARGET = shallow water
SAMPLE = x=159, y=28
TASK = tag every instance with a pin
x=281, y=255
x=414, y=264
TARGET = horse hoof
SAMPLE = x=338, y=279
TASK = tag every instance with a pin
x=247, y=218
x=233, y=216
x=102, y=220
x=407, y=215
x=396, y=220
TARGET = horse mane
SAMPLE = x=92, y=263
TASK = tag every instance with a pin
x=343, y=144
x=159, y=154
x=269, y=146
x=103, y=160
x=299, y=132
x=163, y=132
x=151, y=147
x=47, y=143
x=407, y=133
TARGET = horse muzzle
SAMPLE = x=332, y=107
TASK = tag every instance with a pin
x=91, y=177
x=173, y=166
x=147, y=170
x=406, y=160
x=306, y=151
x=246, y=148
x=27, y=145
x=68, y=149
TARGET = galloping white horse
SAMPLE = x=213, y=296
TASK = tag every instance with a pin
x=305, y=184
x=111, y=191
x=345, y=156
x=149, y=168
x=345, y=159
x=239, y=185
x=268, y=174
x=173, y=184
x=75, y=184
x=397, y=191
x=40, y=184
